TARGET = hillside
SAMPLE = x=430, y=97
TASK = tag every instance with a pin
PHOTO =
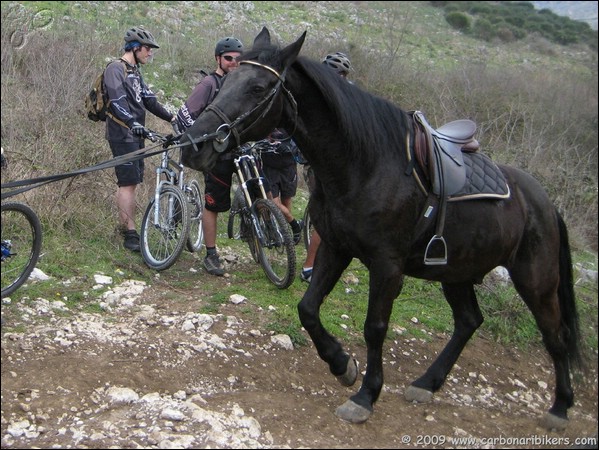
x=582, y=11
x=411, y=34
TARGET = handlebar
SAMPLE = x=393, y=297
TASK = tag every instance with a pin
x=256, y=146
x=155, y=136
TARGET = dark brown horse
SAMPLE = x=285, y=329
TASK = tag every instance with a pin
x=368, y=205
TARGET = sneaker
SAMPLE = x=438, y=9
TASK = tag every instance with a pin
x=131, y=240
x=306, y=275
x=297, y=233
x=213, y=266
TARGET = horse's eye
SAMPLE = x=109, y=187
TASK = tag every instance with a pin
x=258, y=89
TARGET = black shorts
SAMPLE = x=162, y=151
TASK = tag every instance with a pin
x=131, y=173
x=283, y=181
x=218, y=186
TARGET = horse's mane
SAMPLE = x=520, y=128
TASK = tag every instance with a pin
x=361, y=117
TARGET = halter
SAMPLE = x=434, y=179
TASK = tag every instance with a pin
x=224, y=131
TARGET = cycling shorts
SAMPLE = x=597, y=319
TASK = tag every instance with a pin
x=283, y=181
x=131, y=173
x=218, y=186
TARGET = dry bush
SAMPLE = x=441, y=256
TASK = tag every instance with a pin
x=45, y=131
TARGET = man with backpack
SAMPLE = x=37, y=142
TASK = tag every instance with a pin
x=218, y=181
x=129, y=98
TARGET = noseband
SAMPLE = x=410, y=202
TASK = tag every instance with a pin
x=224, y=131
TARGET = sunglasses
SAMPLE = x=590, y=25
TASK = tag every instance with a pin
x=229, y=58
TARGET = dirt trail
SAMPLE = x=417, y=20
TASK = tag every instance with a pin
x=146, y=376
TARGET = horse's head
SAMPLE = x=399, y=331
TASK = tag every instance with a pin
x=249, y=105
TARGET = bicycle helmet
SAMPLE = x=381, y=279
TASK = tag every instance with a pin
x=338, y=61
x=141, y=35
x=228, y=44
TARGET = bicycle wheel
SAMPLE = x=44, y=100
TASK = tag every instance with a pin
x=308, y=227
x=195, y=240
x=234, y=222
x=162, y=241
x=277, y=249
x=21, y=245
x=249, y=236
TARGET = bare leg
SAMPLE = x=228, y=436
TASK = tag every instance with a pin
x=125, y=200
x=285, y=207
x=209, y=227
x=312, y=248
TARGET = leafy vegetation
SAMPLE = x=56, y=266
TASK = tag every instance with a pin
x=535, y=102
x=509, y=21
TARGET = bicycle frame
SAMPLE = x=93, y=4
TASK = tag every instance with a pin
x=173, y=175
x=247, y=171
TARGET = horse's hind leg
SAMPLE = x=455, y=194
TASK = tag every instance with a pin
x=467, y=318
x=540, y=293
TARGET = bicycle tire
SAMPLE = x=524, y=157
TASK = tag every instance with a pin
x=21, y=245
x=162, y=243
x=235, y=219
x=249, y=235
x=277, y=249
x=195, y=239
x=308, y=227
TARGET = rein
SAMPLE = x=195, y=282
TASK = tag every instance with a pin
x=223, y=132
x=28, y=184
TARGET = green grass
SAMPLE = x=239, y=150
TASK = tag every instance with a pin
x=420, y=311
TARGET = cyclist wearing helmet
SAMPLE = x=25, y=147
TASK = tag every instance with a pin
x=226, y=52
x=129, y=98
x=340, y=63
x=218, y=181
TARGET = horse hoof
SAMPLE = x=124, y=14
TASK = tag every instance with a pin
x=416, y=394
x=553, y=422
x=351, y=373
x=352, y=412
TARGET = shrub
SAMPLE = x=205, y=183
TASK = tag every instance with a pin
x=458, y=20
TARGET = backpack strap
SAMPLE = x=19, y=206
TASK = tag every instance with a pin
x=219, y=81
x=108, y=113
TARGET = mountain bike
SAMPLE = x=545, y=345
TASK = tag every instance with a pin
x=21, y=243
x=173, y=218
x=258, y=221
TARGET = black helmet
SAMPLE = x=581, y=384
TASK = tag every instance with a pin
x=338, y=61
x=228, y=44
x=141, y=35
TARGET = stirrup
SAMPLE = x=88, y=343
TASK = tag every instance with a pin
x=439, y=261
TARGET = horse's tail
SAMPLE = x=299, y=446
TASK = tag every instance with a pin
x=567, y=300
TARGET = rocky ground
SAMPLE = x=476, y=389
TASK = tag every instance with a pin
x=147, y=373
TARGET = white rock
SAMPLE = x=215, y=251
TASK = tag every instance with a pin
x=237, y=299
x=283, y=341
x=102, y=279
x=38, y=275
x=119, y=395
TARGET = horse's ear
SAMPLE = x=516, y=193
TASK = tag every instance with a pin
x=263, y=38
x=289, y=53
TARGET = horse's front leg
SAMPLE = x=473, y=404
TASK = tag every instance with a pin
x=467, y=318
x=385, y=285
x=328, y=268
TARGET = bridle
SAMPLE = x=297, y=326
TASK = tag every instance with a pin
x=224, y=131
